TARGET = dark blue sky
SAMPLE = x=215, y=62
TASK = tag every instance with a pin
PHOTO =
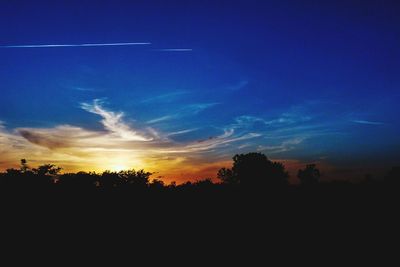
x=297, y=80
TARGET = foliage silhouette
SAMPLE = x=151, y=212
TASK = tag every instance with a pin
x=254, y=169
x=47, y=169
x=310, y=175
x=226, y=176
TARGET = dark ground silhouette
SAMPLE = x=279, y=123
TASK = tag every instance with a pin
x=251, y=207
x=252, y=175
x=251, y=171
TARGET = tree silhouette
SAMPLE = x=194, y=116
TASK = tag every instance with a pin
x=82, y=180
x=254, y=169
x=226, y=176
x=47, y=169
x=205, y=183
x=139, y=179
x=157, y=184
x=310, y=175
x=109, y=180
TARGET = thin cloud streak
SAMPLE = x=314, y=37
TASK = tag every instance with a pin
x=368, y=122
x=189, y=110
x=198, y=107
x=72, y=45
x=285, y=146
x=182, y=132
x=161, y=119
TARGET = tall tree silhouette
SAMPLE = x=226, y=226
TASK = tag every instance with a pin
x=254, y=169
x=310, y=175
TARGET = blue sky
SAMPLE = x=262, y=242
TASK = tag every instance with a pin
x=301, y=81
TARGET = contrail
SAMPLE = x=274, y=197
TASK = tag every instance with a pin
x=174, y=50
x=70, y=45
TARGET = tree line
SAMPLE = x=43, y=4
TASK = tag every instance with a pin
x=252, y=170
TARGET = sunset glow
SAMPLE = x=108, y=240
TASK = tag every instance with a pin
x=179, y=87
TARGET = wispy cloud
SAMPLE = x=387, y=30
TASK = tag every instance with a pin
x=113, y=122
x=188, y=110
x=182, y=132
x=285, y=146
x=283, y=119
x=245, y=145
x=208, y=144
x=198, y=107
x=72, y=45
x=368, y=122
x=58, y=137
x=119, y=135
x=161, y=119
x=284, y=132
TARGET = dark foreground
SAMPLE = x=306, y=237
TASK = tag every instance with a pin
x=219, y=224
x=289, y=204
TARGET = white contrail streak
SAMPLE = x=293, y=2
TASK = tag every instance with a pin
x=70, y=45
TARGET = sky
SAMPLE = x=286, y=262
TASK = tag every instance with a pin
x=179, y=87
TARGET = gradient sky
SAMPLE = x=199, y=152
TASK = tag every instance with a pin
x=301, y=81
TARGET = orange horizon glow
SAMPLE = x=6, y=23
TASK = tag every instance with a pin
x=178, y=171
